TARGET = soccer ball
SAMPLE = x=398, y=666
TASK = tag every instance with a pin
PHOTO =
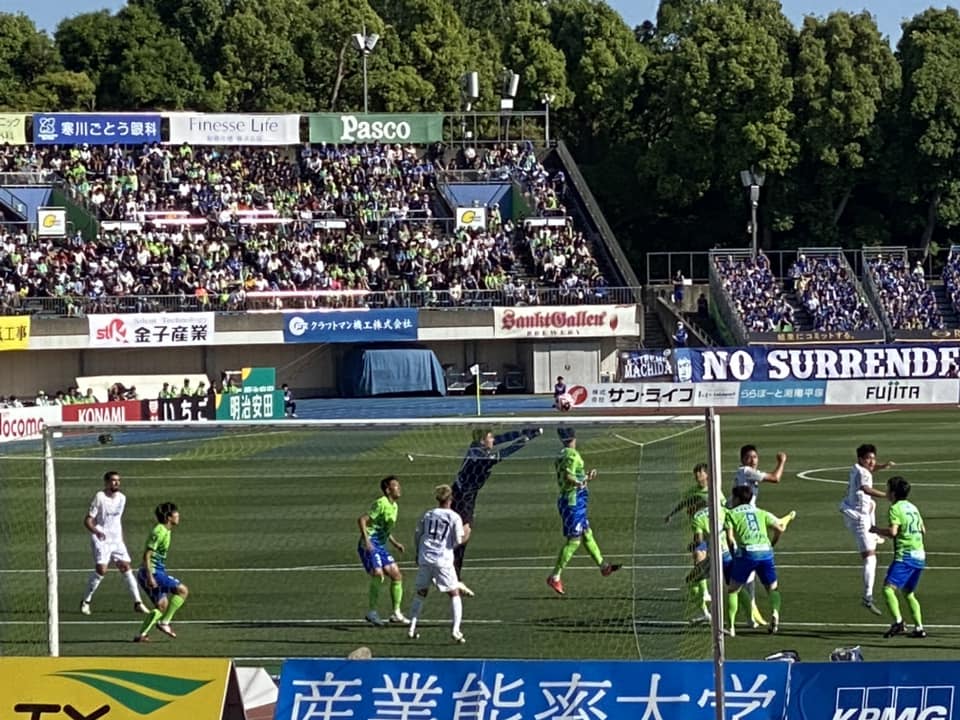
x=564, y=402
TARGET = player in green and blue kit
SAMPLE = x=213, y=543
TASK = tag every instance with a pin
x=697, y=578
x=165, y=591
x=909, y=558
x=693, y=495
x=746, y=527
x=376, y=528
x=572, y=505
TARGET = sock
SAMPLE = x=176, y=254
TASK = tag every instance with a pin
x=592, y=547
x=458, y=553
x=914, y=604
x=415, y=609
x=375, y=583
x=396, y=594
x=130, y=580
x=152, y=619
x=456, y=607
x=775, y=601
x=696, y=593
x=751, y=591
x=93, y=582
x=174, y=603
x=704, y=592
x=733, y=604
x=566, y=552
x=869, y=576
x=891, y=595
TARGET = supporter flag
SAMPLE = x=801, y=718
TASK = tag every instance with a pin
x=475, y=370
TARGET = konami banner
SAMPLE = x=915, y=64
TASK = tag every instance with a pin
x=120, y=411
x=565, y=321
x=863, y=362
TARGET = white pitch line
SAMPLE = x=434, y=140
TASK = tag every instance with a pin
x=628, y=440
x=99, y=459
x=811, y=475
x=820, y=418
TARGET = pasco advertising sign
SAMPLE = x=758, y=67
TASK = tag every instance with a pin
x=336, y=128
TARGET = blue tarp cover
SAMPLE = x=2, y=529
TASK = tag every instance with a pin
x=388, y=371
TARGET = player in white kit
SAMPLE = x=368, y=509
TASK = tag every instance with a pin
x=103, y=522
x=439, y=531
x=749, y=474
x=859, y=510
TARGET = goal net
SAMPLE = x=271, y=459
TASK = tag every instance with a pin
x=267, y=542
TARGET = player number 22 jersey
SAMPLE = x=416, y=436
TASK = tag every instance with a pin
x=439, y=531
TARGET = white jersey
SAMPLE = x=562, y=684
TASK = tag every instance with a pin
x=106, y=512
x=439, y=531
x=856, y=500
x=750, y=477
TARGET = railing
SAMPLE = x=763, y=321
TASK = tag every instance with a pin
x=321, y=300
x=13, y=202
x=722, y=302
x=28, y=177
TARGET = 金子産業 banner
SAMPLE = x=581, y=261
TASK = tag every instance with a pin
x=522, y=689
x=113, y=688
x=150, y=330
x=565, y=321
x=416, y=128
x=95, y=128
x=14, y=332
x=13, y=128
x=350, y=326
x=235, y=129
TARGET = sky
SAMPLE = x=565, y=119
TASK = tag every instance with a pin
x=889, y=13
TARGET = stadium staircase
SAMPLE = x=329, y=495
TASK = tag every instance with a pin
x=653, y=334
x=803, y=319
x=950, y=319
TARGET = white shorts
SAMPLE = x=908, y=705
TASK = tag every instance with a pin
x=859, y=525
x=444, y=575
x=108, y=551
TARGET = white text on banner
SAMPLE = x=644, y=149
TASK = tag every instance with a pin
x=655, y=395
x=26, y=423
x=150, y=330
x=564, y=322
x=893, y=392
x=235, y=129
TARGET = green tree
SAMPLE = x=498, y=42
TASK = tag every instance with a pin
x=60, y=90
x=529, y=51
x=26, y=54
x=929, y=140
x=87, y=42
x=846, y=75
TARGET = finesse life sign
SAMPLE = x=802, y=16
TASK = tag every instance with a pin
x=235, y=129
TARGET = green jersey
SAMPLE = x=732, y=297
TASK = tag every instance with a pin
x=694, y=496
x=569, y=465
x=382, y=518
x=159, y=543
x=700, y=523
x=908, y=544
x=749, y=525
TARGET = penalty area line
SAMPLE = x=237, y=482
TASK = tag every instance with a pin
x=821, y=418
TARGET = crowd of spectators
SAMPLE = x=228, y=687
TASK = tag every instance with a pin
x=207, y=226
x=951, y=279
x=562, y=259
x=904, y=295
x=755, y=293
x=831, y=296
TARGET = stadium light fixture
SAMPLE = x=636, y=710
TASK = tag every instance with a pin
x=753, y=180
x=364, y=44
x=547, y=98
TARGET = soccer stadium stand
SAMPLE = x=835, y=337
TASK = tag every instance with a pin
x=200, y=228
x=951, y=277
x=757, y=296
x=904, y=296
x=830, y=294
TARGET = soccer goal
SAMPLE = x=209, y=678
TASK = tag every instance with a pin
x=267, y=541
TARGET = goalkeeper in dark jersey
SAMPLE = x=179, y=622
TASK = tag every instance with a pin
x=474, y=472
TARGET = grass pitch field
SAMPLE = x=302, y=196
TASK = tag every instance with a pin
x=267, y=542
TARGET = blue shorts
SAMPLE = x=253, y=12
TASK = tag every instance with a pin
x=903, y=576
x=743, y=565
x=166, y=584
x=378, y=559
x=704, y=567
x=573, y=518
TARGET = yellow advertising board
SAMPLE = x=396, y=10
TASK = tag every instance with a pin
x=14, y=332
x=13, y=128
x=130, y=688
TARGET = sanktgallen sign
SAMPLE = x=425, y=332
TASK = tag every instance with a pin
x=415, y=128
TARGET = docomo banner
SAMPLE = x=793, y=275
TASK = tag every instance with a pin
x=109, y=412
x=26, y=423
x=566, y=321
x=419, y=129
x=150, y=330
x=893, y=392
x=235, y=129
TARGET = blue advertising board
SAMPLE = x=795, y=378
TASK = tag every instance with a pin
x=351, y=326
x=520, y=689
x=95, y=128
x=875, y=691
x=785, y=393
x=866, y=362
